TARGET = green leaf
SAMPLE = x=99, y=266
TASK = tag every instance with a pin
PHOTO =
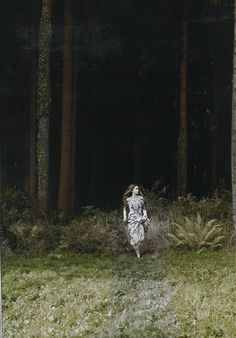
x=213, y=232
x=172, y=236
x=218, y=239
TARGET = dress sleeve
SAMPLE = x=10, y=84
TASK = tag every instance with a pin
x=143, y=203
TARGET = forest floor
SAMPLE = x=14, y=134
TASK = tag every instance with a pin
x=170, y=294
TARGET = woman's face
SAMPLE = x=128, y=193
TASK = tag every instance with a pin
x=136, y=190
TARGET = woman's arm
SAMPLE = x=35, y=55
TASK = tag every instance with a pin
x=144, y=213
x=124, y=214
x=144, y=210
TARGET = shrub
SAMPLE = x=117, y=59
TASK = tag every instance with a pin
x=231, y=239
x=80, y=236
x=26, y=226
x=197, y=234
x=13, y=204
x=35, y=238
x=216, y=206
x=157, y=236
x=94, y=230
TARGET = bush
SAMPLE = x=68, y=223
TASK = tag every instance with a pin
x=218, y=206
x=13, y=205
x=197, y=234
x=157, y=236
x=26, y=226
x=94, y=230
x=35, y=238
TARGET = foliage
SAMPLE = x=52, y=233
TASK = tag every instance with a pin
x=29, y=228
x=216, y=2
x=13, y=203
x=217, y=206
x=196, y=234
x=16, y=207
x=94, y=230
x=35, y=238
x=157, y=235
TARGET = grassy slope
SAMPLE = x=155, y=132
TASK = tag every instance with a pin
x=174, y=294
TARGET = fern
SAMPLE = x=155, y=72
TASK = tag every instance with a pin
x=197, y=234
x=217, y=240
x=212, y=233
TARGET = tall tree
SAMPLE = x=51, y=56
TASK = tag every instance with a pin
x=32, y=136
x=182, y=138
x=67, y=118
x=233, y=132
x=73, y=132
x=32, y=173
x=44, y=101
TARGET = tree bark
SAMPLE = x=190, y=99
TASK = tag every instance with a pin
x=67, y=135
x=44, y=103
x=233, y=132
x=32, y=176
x=73, y=132
x=182, y=138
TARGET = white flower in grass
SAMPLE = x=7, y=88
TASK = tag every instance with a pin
x=50, y=329
x=51, y=318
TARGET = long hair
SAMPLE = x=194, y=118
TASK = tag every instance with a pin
x=129, y=191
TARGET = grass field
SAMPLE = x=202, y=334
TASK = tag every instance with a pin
x=170, y=294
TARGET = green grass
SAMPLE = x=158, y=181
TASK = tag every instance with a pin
x=171, y=294
x=204, y=293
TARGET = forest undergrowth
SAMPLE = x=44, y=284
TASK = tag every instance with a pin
x=187, y=222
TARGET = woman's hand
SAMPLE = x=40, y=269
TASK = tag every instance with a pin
x=144, y=214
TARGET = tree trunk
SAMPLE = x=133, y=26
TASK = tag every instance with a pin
x=32, y=176
x=32, y=145
x=44, y=102
x=233, y=133
x=73, y=132
x=67, y=135
x=182, y=139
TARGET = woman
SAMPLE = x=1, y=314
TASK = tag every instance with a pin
x=133, y=199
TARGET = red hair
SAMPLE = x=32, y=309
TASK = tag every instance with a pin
x=129, y=191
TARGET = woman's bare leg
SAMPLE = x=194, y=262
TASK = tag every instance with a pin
x=136, y=247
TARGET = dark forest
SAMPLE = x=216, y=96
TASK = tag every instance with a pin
x=129, y=76
x=118, y=168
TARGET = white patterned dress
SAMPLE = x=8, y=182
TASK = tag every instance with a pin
x=135, y=218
